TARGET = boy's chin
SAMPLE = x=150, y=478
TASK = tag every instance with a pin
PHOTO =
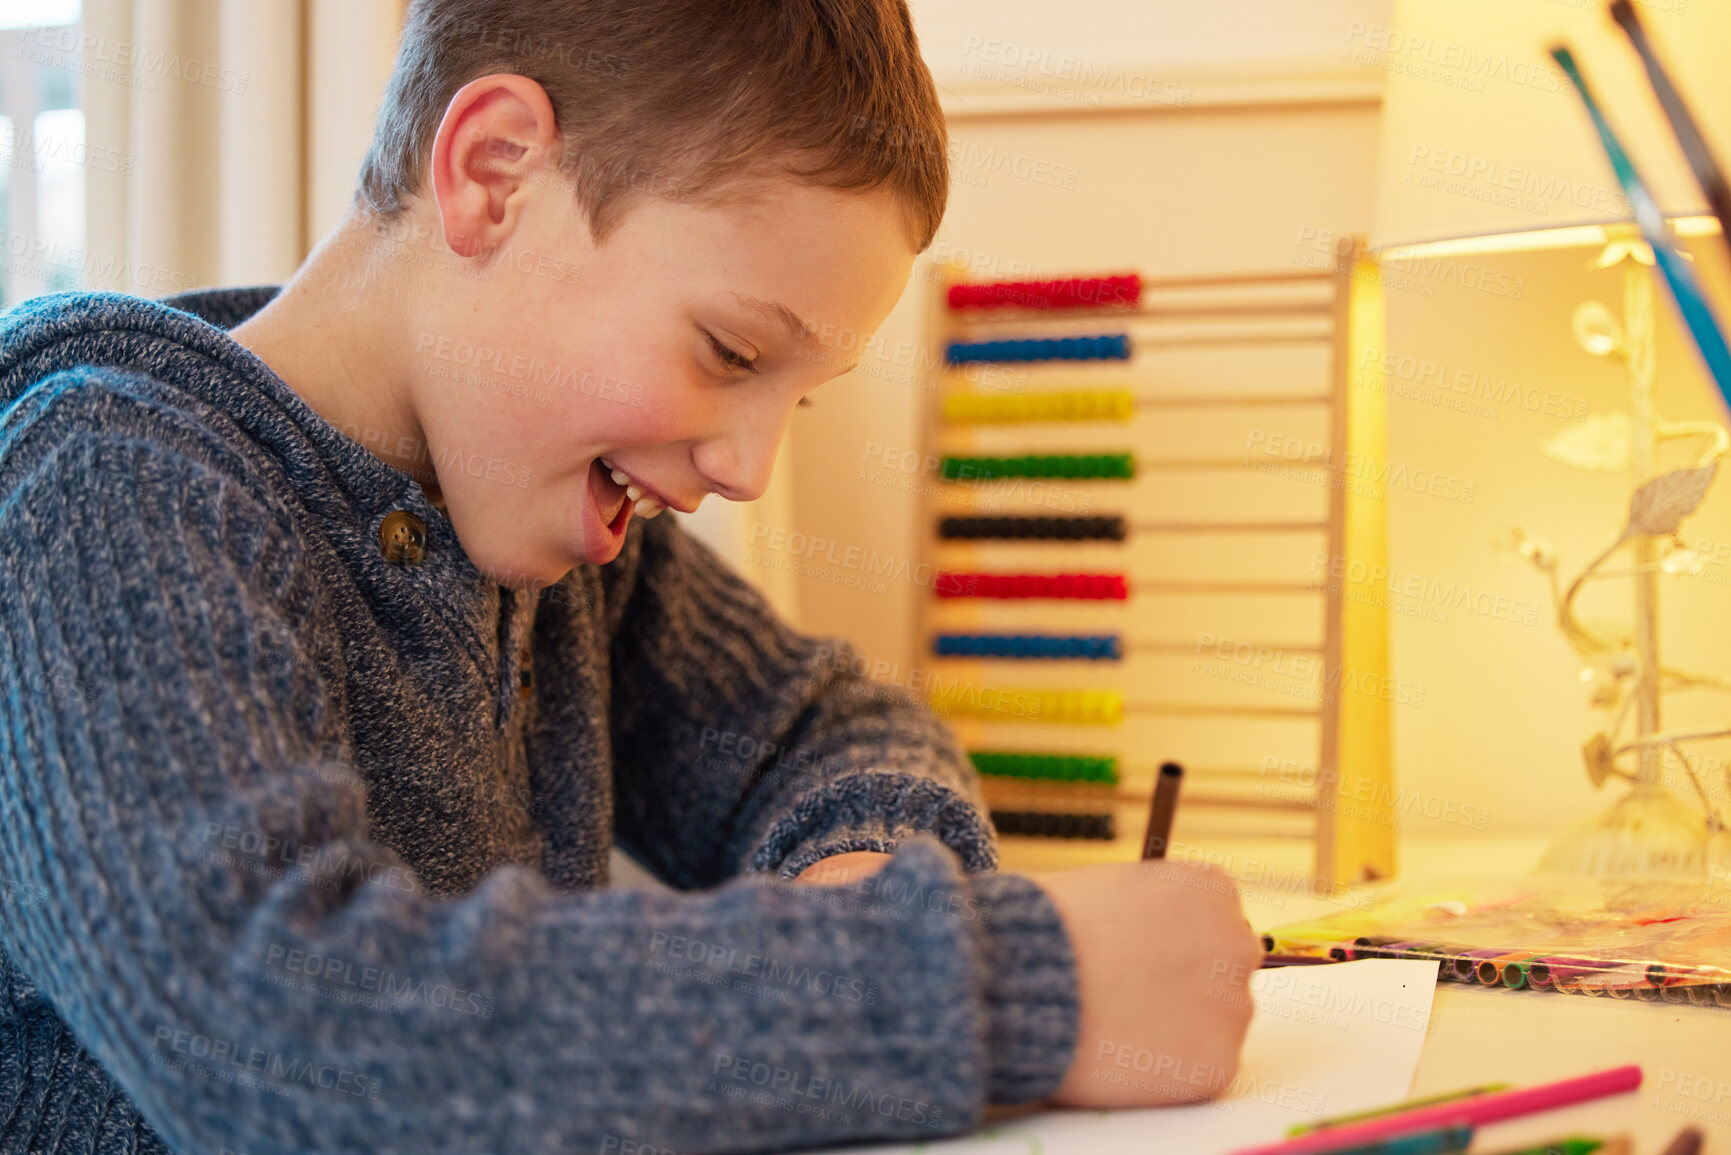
x=517, y=579
x=514, y=569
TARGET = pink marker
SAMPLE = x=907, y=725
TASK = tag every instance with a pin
x=1478, y=1110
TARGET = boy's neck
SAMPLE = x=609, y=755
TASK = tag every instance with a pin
x=329, y=334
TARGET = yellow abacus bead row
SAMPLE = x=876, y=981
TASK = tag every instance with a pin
x=1076, y=707
x=1066, y=405
x=1083, y=707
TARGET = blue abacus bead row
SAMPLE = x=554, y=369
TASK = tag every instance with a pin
x=1098, y=647
x=1106, y=347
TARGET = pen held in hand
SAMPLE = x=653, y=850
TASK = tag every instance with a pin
x=1161, y=809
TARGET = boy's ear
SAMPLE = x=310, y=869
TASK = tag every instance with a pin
x=497, y=137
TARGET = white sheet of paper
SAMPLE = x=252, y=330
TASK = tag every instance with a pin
x=1325, y=1041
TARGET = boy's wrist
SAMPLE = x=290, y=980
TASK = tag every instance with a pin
x=842, y=869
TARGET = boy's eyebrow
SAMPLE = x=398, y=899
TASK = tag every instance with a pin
x=796, y=327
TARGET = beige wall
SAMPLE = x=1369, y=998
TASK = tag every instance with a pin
x=1474, y=91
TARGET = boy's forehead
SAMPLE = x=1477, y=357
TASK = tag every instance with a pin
x=804, y=230
x=780, y=202
x=800, y=258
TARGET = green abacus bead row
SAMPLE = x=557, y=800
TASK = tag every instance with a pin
x=1077, y=466
x=1054, y=767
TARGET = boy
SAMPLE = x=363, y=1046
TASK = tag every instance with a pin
x=335, y=659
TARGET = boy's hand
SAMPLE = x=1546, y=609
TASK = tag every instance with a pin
x=842, y=869
x=1164, y=957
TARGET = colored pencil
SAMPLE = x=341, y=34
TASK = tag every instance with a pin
x=1479, y=1110
x=1409, y=1105
x=1686, y=294
x=1438, y=1141
x=1706, y=169
x=1295, y=960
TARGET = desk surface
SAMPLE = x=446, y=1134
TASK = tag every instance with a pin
x=1479, y=1035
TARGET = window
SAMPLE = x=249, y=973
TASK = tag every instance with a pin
x=42, y=149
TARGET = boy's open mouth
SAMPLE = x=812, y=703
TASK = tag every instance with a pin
x=615, y=497
x=612, y=504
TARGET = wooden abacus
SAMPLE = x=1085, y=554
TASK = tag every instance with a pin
x=982, y=427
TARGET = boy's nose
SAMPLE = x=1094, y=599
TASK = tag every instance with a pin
x=741, y=462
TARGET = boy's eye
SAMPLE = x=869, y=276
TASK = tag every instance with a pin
x=728, y=356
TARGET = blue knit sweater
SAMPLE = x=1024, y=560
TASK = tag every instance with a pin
x=303, y=847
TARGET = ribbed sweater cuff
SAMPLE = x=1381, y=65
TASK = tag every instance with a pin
x=1031, y=996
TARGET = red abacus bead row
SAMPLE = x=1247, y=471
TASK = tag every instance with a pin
x=1088, y=586
x=1070, y=293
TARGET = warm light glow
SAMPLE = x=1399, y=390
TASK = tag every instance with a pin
x=1527, y=240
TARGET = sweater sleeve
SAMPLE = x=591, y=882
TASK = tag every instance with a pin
x=741, y=744
x=222, y=934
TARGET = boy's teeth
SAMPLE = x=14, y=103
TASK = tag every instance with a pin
x=641, y=503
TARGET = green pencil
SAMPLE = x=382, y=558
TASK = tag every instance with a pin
x=1429, y=1100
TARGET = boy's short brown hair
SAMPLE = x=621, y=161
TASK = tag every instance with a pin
x=673, y=97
